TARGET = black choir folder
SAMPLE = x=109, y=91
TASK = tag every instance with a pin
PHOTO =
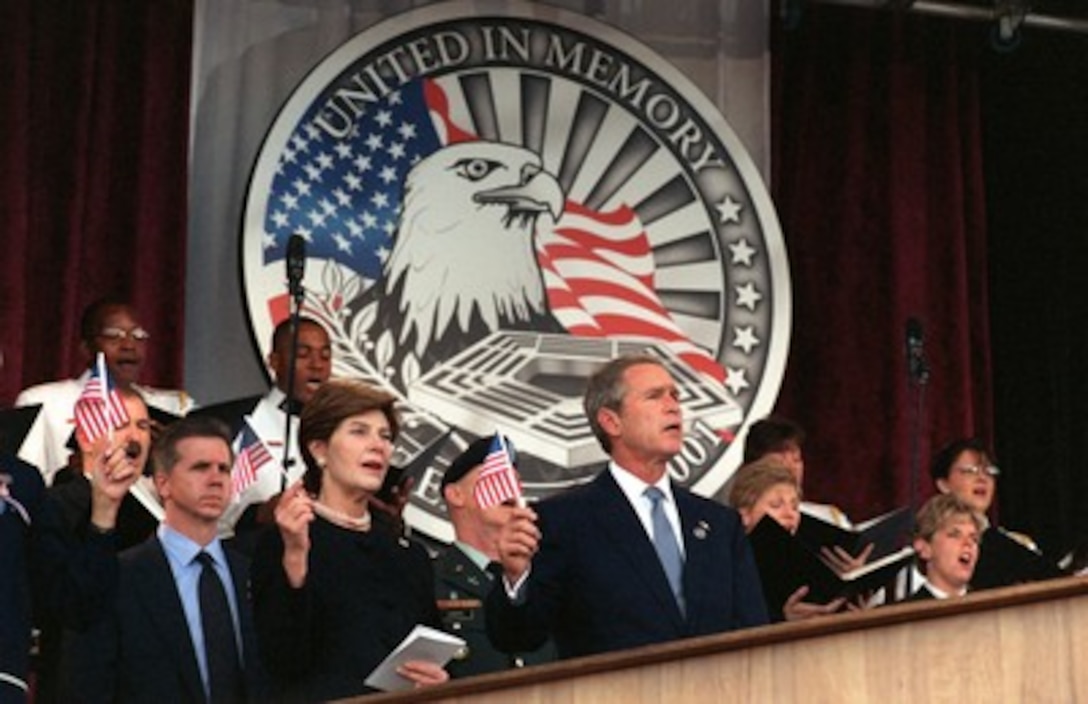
x=15, y=424
x=887, y=533
x=1004, y=560
x=786, y=564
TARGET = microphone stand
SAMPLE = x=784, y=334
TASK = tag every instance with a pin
x=297, y=293
x=919, y=377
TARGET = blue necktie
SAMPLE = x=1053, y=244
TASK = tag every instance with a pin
x=665, y=545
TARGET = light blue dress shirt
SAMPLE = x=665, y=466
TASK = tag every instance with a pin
x=181, y=553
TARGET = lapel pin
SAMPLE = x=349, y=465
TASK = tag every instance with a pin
x=701, y=530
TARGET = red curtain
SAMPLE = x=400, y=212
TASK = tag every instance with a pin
x=94, y=106
x=879, y=186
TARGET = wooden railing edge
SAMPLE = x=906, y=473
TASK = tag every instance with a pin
x=749, y=638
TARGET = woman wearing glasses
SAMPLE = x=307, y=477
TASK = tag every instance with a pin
x=965, y=469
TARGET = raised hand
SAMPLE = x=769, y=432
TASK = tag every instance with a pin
x=113, y=470
x=294, y=513
x=519, y=540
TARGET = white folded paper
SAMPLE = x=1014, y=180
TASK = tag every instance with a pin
x=423, y=643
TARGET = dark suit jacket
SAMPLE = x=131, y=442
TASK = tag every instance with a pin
x=460, y=588
x=597, y=585
x=75, y=569
x=364, y=591
x=141, y=650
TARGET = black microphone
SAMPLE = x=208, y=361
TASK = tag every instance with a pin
x=916, y=358
x=296, y=263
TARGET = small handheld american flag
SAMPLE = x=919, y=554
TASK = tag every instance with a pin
x=99, y=408
x=499, y=481
x=250, y=455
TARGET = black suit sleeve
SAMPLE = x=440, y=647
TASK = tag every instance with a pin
x=90, y=658
x=282, y=614
x=513, y=628
x=527, y=625
x=75, y=568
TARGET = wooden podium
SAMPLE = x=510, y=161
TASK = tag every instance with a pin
x=1019, y=644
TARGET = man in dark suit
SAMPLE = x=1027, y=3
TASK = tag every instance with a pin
x=179, y=628
x=460, y=571
x=630, y=558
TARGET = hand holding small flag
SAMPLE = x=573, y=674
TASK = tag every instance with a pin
x=250, y=454
x=499, y=481
x=99, y=410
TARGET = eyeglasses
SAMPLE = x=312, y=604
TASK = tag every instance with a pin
x=975, y=470
x=119, y=334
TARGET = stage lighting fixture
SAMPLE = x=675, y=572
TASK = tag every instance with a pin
x=1006, y=33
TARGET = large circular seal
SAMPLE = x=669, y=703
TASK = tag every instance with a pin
x=496, y=205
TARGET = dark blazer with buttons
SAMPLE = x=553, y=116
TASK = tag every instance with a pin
x=363, y=593
x=141, y=650
x=596, y=584
x=28, y=489
x=460, y=588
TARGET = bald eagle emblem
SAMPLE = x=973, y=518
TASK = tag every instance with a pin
x=464, y=261
x=529, y=184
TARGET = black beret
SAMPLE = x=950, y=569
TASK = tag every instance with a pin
x=472, y=457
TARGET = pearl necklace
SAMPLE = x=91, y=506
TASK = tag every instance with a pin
x=360, y=524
